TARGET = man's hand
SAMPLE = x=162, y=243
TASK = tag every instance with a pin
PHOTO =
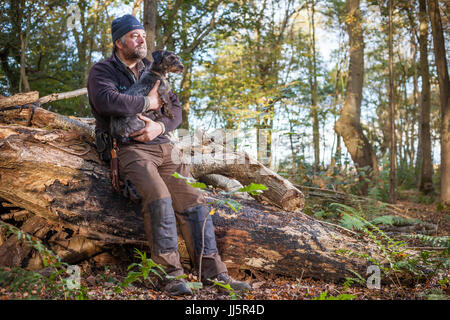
x=151, y=130
x=155, y=100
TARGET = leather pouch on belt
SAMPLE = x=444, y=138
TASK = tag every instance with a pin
x=115, y=168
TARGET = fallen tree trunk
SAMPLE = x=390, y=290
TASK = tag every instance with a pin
x=22, y=99
x=208, y=154
x=39, y=117
x=19, y=99
x=201, y=151
x=62, y=95
x=56, y=176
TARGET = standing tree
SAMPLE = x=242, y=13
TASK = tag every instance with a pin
x=444, y=89
x=313, y=85
x=150, y=14
x=392, y=147
x=426, y=173
x=348, y=125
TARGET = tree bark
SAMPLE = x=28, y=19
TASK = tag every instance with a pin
x=313, y=87
x=185, y=95
x=42, y=172
x=19, y=99
x=23, y=73
x=349, y=122
x=426, y=165
x=150, y=16
x=392, y=151
x=82, y=40
x=444, y=90
x=43, y=118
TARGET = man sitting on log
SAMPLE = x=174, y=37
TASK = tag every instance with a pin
x=145, y=165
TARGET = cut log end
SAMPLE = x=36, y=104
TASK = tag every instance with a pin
x=293, y=201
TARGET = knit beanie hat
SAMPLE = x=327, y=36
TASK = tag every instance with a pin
x=123, y=25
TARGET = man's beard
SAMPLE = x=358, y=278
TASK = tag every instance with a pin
x=136, y=53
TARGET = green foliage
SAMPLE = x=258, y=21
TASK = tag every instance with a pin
x=324, y=214
x=253, y=189
x=390, y=248
x=399, y=260
x=434, y=294
x=53, y=65
x=232, y=294
x=433, y=241
x=190, y=181
x=424, y=198
x=352, y=223
x=406, y=176
x=194, y=285
x=233, y=204
x=18, y=279
x=324, y=296
x=145, y=267
x=394, y=221
x=379, y=192
x=358, y=279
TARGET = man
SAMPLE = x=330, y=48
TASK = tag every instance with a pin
x=146, y=165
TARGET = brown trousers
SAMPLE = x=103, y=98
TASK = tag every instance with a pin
x=149, y=168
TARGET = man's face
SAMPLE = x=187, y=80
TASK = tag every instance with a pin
x=133, y=46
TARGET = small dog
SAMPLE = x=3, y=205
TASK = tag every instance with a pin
x=163, y=63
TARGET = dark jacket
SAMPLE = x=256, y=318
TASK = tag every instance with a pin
x=106, y=82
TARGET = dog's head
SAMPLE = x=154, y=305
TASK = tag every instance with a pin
x=167, y=61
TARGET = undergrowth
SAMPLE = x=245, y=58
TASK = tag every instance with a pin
x=397, y=263
x=55, y=283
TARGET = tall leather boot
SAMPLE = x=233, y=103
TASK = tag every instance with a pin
x=213, y=269
x=160, y=228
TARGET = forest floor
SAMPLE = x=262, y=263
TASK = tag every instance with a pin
x=99, y=280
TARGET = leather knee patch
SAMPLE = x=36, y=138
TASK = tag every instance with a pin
x=195, y=217
x=163, y=225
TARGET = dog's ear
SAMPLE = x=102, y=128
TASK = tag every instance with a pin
x=157, y=56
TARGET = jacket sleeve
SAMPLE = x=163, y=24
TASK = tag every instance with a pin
x=105, y=96
x=172, y=124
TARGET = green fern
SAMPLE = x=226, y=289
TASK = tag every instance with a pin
x=391, y=220
x=18, y=279
x=351, y=222
x=391, y=249
x=434, y=241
